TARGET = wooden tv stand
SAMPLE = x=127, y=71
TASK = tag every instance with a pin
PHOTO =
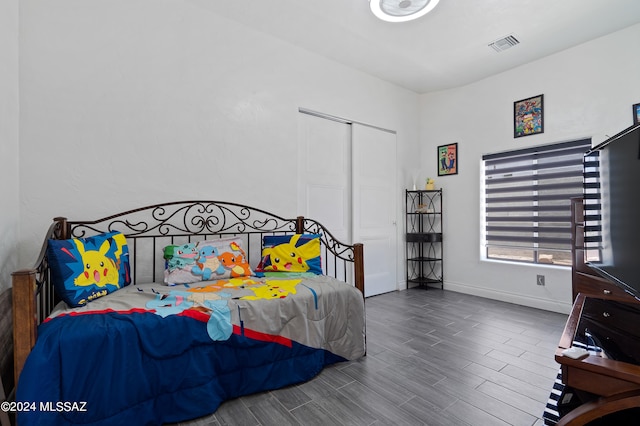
x=608, y=385
x=614, y=385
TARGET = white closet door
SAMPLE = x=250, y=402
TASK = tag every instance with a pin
x=374, y=209
x=324, y=176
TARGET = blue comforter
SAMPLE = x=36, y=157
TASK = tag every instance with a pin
x=155, y=354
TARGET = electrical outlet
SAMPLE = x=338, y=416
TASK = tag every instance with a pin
x=540, y=279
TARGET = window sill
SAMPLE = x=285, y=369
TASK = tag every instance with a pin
x=528, y=264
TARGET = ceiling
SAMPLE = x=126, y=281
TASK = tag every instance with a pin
x=444, y=49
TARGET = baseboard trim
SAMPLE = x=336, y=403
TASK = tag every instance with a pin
x=518, y=299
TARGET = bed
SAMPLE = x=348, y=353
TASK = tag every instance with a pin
x=205, y=307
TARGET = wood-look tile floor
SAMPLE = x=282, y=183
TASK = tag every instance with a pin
x=434, y=357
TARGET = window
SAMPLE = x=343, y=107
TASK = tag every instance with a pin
x=527, y=202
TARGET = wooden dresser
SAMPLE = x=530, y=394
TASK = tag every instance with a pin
x=604, y=385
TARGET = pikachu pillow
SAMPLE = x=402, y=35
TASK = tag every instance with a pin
x=83, y=269
x=298, y=253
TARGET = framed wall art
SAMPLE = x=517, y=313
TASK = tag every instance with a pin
x=528, y=116
x=448, y=159
x=636, y=114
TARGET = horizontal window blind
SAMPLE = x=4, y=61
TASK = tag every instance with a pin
x=592, y=205
x=528, y=192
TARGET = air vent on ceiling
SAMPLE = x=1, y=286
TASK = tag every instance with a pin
x=504, y=43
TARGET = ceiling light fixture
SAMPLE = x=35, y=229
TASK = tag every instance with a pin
x=401, y=10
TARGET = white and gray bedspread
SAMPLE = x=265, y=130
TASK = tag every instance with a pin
x=165, y=354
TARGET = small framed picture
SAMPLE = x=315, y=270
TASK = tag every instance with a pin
x=528, y=116
x=448, y=159
x=636, y=114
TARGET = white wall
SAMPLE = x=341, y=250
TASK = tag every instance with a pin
x=9, y=204
x=132, y=102
x=588, y=92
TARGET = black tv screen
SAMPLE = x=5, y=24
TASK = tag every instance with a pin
x=619, y=258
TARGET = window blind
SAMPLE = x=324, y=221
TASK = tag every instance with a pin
x=528, y=192
x=592, y=205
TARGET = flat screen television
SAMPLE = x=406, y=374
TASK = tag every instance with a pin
x=619, y=260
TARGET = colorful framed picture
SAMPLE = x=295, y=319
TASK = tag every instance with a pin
x=528, y=116
x=448, y=159
x=636, y=114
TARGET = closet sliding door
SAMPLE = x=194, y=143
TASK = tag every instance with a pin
x=346, y=181
x=324, y=173
x=374, y=205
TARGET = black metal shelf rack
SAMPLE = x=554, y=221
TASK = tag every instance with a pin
x=424, y=238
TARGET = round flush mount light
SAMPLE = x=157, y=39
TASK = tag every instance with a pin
x=401, y=10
